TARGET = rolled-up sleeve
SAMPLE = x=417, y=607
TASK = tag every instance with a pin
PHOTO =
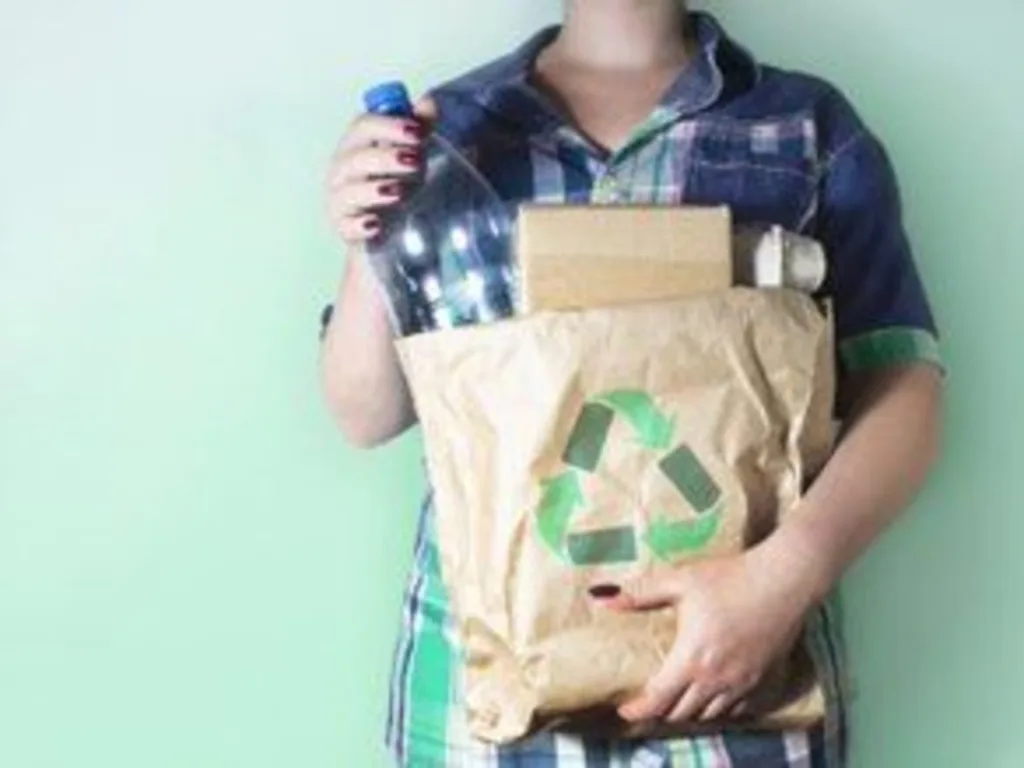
x=882, y=313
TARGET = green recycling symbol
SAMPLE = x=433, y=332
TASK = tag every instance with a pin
x=562, y=496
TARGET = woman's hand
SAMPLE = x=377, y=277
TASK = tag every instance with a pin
x=738, y=615
x=362, y=380
x=367, y=170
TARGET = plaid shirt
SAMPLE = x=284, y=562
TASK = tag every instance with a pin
x=776, y=146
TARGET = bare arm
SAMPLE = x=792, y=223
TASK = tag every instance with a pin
x=360, y=374
x=891, y=442
x=741, y=613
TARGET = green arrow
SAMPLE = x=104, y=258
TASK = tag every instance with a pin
x=667, y=540
x=688, y=475
x=586, y=443
x=654, y=429
x=562, y=496
x=607, y=546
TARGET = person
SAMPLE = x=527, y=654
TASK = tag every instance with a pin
x=643, y=101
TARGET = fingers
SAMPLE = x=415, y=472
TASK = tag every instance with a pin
x=661, y=692
x=426, y=110
x=351, y=206
x=693, y=701
x=696, y=702
x=365, y=181
x=358, y=197
x=367, y=130
x=667, y=685
x=720, y=706
x=707, y=702
x=701, y=704
x=646, y=594
x=358, y=229
x=375, y=162
x=740, y=709
x=371, y=162
x=685, y=691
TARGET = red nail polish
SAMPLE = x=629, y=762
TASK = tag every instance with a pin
x=392, y=189
x=414, y=130
x=371, y=226
x=409, y=158
x=605, y=591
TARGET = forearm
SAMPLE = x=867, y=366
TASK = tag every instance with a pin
x=890, y=443
x=360, y=373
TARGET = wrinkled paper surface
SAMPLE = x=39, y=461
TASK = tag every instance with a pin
x=580, y=448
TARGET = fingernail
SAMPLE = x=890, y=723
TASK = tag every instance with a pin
x=605, y=591
x=628, y=712
x=392, y=189
x=414, y=130
x=409, y=158
x=371, y=226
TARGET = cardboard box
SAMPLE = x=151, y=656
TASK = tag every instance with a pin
x=581, y=257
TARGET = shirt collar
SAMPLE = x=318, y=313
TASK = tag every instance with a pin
x=720, y=66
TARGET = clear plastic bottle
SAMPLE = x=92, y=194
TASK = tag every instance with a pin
x=442, y=255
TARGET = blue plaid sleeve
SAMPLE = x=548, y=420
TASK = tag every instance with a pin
x=882, y=314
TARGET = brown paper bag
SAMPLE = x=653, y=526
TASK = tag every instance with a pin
x=569, y=449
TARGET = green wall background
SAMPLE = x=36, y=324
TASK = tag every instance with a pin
x=195, y=571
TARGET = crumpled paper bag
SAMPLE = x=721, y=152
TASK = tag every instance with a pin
x=577, y=448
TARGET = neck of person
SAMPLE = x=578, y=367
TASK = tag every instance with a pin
x=623, y=35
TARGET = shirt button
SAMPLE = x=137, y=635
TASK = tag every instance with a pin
x=608, y=189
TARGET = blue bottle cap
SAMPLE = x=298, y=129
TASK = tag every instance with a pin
x=389, y=99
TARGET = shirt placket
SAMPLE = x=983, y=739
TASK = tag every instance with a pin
x=608, y=187
x=612, y=184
